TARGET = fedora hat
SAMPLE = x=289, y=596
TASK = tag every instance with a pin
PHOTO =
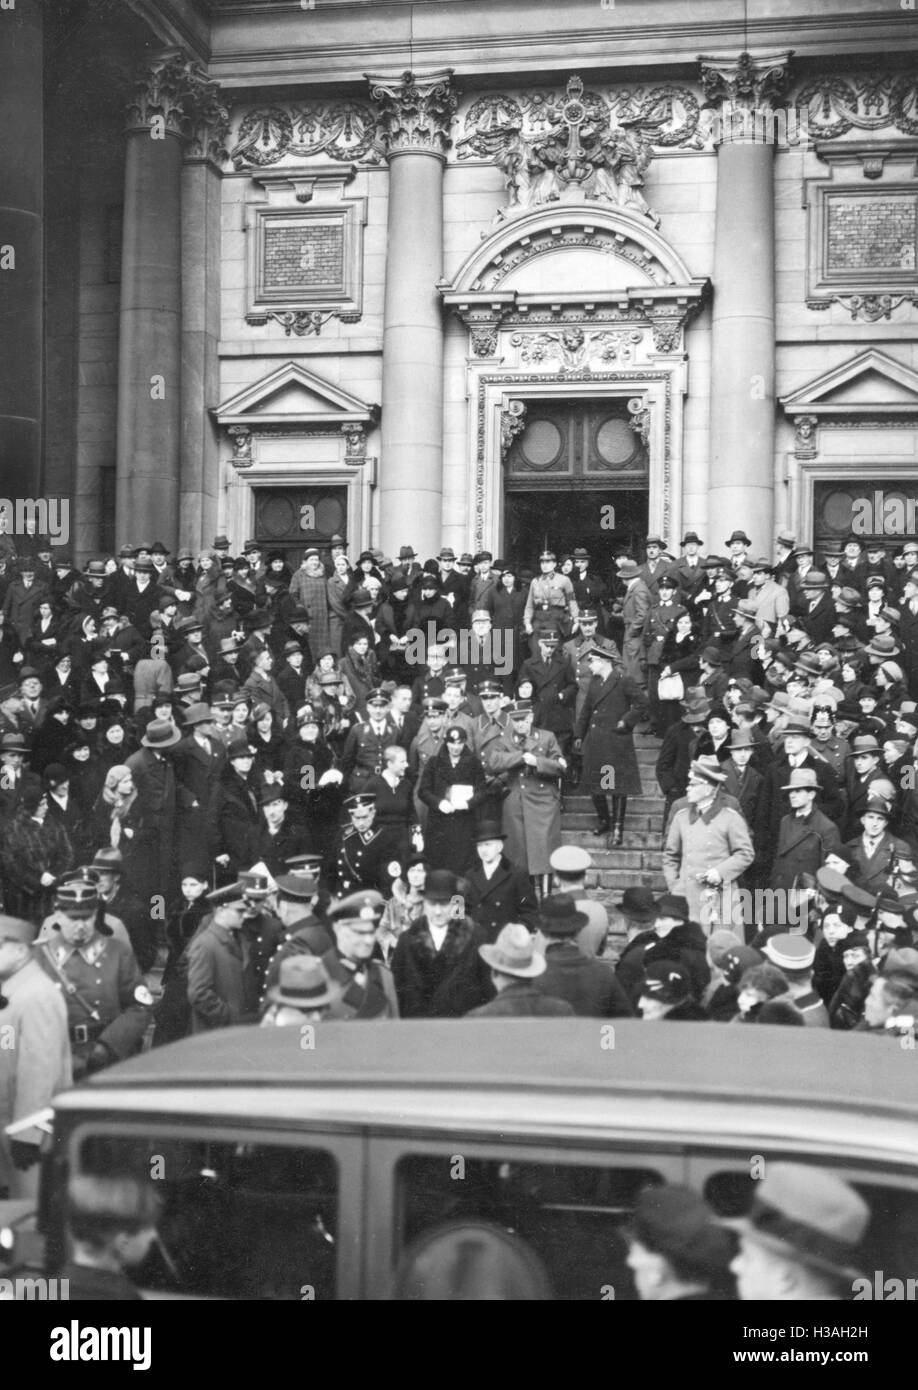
x=514, y=953
x=738, y=536
x=708, y=768
x=161, y=733
x=741, y=738
x=809, y=1214
x=629, y=569
x=864, y=743
x=762, y=565
x=197, y=714
x=691, y=537
x=696, y=713
x=558, y=915
x=814, y=579
x=802, y=779
x=108, y=861
x=883, y=648
x=304, y=983
x=228, y=645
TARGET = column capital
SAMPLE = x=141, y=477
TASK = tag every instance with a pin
x=415, y=111
x=743, y=91
x=174, y=93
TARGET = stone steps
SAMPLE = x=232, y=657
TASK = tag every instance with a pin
x=638, y=861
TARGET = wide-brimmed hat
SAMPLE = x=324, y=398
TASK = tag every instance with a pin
x=883, y=648
x=304, y=983
x=738, y=536
x=629, y=569
x=809, y=1214
x=691, y=536
x=514, y=953
x=741, y=738
x=696, y=713
x=161, y=733
x=558, y=915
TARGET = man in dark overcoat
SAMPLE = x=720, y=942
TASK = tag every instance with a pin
x=604, y=735
x=437, y=968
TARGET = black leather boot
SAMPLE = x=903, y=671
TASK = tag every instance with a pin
x=619, y=806
x=602, y=826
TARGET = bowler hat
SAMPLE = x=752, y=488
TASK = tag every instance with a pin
x=558, y=915
x=639, y=904
x=440, y=886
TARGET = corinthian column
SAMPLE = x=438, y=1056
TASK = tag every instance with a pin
x=415, y=113
x=741, y=487
x=160, y=118
x=200, y=366
x=21, y=174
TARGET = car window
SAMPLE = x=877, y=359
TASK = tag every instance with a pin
x=570, y=1215
x=239, y=1220
x=891, y=1242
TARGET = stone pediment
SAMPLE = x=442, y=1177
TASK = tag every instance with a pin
x=870, y=384
x=294, y=397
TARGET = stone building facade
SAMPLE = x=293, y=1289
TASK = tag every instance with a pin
x=485, y=276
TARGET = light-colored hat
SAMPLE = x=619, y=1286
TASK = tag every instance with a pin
x=513, y=953
x=802, y=779
x=304, y=983
x=809, y=1214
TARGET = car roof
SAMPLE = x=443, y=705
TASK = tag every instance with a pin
x=751, y=1088
x=586, y=1055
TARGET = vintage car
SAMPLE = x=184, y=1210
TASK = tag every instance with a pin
x=298, y=1163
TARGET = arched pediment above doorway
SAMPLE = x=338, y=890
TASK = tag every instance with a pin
x=610, y=248
x=577, y=265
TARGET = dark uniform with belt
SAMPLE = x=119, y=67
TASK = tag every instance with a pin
x=108, y=1005
x=364, y=750
x=357, y=858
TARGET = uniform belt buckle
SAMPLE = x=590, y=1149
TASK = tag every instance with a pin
x=81, y=1032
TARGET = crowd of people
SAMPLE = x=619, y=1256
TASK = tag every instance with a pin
x=232, y=794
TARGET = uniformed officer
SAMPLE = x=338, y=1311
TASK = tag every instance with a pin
x=492, y=720
x=551, y=602
x=108, y=1005
x=577, y=648
x=426, y=742
x=357, y=858
x=364, y=750
x=367, y=984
